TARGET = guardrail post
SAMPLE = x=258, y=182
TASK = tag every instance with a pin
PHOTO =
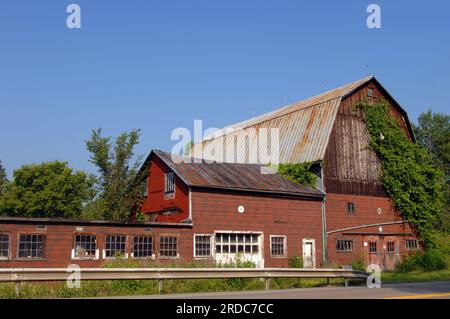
x=160, y=286
x=346, y=283
x=267, y=282
x=17, y=288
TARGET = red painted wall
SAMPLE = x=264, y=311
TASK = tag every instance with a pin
x=366, y=213
x=295, y=218
x=155, y=199
x=60, y=240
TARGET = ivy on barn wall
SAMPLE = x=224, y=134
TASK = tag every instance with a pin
x=299, y=173
x=408, y=174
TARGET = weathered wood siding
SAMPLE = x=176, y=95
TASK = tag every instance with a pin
x=350, y=165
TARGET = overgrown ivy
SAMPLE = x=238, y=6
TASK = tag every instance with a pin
x=298, y=173
x=408, y=174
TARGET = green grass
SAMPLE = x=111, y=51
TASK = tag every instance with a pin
x=149, y=287
x=415, y=276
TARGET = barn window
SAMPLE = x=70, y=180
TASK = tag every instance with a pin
x=4, y=246
x=373, y=247
x=31, y=246
x=370, y=92
x=202, y=244
x=142, y=247
x=351, y=208
x=278, y=246
x=344, y=245
x=115, y=246
x=390, y=247
x=411, y=244
x=168, y=246
x=169, y=184
x=85, y=246
x=233, y=243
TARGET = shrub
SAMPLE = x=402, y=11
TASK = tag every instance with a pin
x=430, y=260
x=295, y=262
x=433, y=259
x=359, y=264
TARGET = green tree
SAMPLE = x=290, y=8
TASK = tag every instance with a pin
x=119, y=185
x=3, y=178
x=433, y=133
x=50, y=189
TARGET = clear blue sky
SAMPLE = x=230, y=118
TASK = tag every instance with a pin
x=158, y=65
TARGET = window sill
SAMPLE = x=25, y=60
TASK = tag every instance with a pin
x=31, y=259
x=85, y=258
x=275, y=256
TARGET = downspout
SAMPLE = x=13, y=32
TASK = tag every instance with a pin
x=190, y=204
x=324, y=222
x=324, y=233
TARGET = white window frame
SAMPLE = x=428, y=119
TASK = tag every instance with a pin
x=284, y=246
x=126, y=247
x=97, y=251
x=211, y=246
x=44, y=246
x=153, y=247
x=178, y=247
x=9, y=247
x=259, y=243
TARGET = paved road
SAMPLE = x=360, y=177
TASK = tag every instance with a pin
x=437, y=289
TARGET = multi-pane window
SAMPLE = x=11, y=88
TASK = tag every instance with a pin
x=168, y=246
x=278, y=246
x=4, y=246
x=411, y=244
x=370, y=92
x=85, y=246
x=373, y=247
x=390, y=247
x=31, y=246
x=232, y=243
x=202, y=245
x=344, y=245
x=115, y=246
x=142, y=247
x=169, y=185
x=351, y=208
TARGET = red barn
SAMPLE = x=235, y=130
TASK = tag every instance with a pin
x=224, y=212
x=358, y=217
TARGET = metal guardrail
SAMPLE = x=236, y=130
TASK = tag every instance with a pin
x=19, y=275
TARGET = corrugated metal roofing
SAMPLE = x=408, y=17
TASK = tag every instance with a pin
x=304, y=127
x=244, y=177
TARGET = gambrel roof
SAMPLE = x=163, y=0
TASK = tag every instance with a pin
x=304, y=126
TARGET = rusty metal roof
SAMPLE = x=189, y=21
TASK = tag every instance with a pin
x=304, y=126
x=231, y=176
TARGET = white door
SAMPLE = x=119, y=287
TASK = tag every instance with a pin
x=309, y=258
